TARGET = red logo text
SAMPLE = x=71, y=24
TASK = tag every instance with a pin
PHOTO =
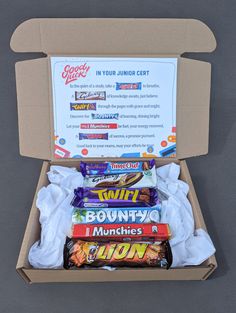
x=72, y=73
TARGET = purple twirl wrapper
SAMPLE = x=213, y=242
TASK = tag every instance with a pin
x=110, y=168
x=114, y=197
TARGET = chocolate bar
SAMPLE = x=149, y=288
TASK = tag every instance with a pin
x=116, y=215
x=78, y=253
x=92, y=136
x=169, y=151
x=83, y=106
x=128, y=86
x=105, y=116
x=108, y=168
x=142, y=179
x=90, y=95
x=114, y=197
x=120, y=232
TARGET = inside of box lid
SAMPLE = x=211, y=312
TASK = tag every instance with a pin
x=113, y=36
x=34, y=108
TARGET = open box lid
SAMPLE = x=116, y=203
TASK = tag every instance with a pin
x=112, y=37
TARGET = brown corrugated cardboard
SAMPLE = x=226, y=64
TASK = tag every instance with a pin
x=172, y=37
x=34, y=108
x=111, y=37
x=114, y=36
x=32, y=234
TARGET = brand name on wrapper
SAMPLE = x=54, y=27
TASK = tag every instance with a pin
x=72, y=73
x=119, y=194
x=97, y=179
x=127, y=165
x=121, y=216
x=121, y=231
x=121, y=251
x=116, y=215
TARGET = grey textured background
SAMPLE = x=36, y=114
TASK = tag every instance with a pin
x=213, y=175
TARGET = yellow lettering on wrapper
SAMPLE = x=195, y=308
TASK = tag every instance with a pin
x=99, y=193
x=111, y=250
x=127, y=193
x=109, y=195
x=121, y=194
x=116, y=194
x=106, y=195
x=101, y=254
x=135, y=196
x=121, y=251
x=139, y=249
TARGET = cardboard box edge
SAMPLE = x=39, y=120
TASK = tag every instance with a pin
x=96, y=275
x=22, y=274
x=211, y=266
x=34, y=29
x=22, y=251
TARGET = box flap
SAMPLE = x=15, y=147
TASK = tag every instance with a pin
x=124, y=37
x=113, y=36
x=34, y=107
x=193, y=104
x=32, y=82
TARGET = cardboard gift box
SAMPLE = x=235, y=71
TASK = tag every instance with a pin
x=123, y=38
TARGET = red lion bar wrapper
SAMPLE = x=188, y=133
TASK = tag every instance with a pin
x=78, y=253
x=141, y=179
x=119, y=232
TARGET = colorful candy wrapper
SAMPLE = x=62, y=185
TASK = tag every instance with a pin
x=107, y=168
x=143, y=179
x=92, y=136
x=82, y=106
x=116, y=215
x=78, y=253
x=121, y=232
x=90, y=95
x=114, y=197
x=128, y=86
